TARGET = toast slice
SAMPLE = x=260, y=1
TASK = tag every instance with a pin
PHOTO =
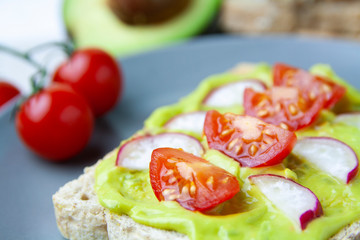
x=80, y=216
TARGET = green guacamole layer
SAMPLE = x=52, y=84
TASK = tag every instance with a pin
x=249, y=215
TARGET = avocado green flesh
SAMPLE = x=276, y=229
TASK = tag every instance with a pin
x=91, y=23
x=249, y=215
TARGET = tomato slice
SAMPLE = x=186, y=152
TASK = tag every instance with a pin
x=193, y=182
x=248, y=140
x=311, y=86
x=283, y=106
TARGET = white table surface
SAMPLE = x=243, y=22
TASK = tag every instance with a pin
x=24, y=24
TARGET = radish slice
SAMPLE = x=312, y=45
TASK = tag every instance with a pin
x=330, y=155
x=232, y=93
x=352, y=119
x=136, y=154
x=297, y=202
x=192, y=122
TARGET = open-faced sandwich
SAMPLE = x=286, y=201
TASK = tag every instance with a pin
x=256, y=153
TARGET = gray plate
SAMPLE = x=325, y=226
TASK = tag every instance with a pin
x=27, y=182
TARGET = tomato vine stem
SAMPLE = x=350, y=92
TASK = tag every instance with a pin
x=25, y=56
x=67, y=47
x=38, y=78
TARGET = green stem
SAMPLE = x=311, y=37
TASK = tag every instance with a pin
x=67, y=47
x=26, y=57
x=37, y=80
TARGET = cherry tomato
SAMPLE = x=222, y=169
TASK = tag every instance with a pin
x=56, y=122
x=94, y=74
x=311, y=86
x=248, y=140
x=283, y=106
x=7, y=92
x=192, y=181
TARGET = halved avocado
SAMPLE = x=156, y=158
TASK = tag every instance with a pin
x=91, y=23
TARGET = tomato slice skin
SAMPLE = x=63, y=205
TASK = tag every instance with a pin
x=248, y=140
x=193, y=182
x=283, y=106
x=312, y=86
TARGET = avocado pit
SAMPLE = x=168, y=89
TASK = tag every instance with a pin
x=147, y=12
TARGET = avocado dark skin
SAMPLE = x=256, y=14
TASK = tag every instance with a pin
x=147, y=12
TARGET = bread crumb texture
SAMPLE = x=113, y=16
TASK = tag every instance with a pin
x=78, y=213
x=124, y=228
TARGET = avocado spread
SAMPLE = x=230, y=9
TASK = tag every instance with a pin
x=249, y=215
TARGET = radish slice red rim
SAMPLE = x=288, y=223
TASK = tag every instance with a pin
x=329, y=155
x=352, y=119
x=297, y=202
x=232, y=93
x=136, y=154
x=192, y=122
